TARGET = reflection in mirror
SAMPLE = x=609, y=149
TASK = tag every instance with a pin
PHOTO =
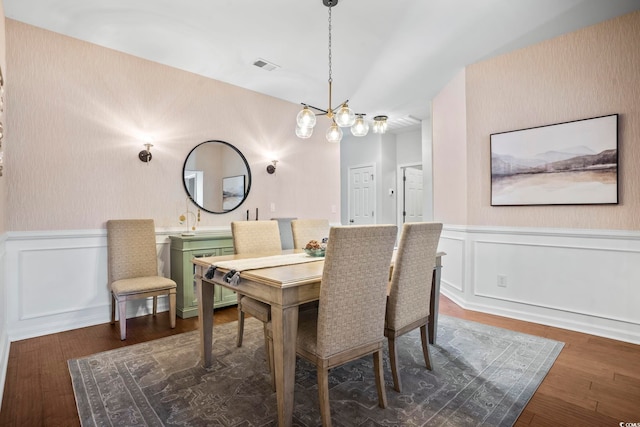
x=216, y=176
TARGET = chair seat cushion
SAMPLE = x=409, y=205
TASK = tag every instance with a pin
x=257, y=309
x=142, y=284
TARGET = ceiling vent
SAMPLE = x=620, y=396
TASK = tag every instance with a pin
x=265, y=65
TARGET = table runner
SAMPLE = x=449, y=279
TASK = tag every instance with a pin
x=237, y=266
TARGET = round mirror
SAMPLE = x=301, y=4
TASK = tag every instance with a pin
x=216, y=176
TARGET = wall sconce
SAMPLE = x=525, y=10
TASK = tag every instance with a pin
x=272, y=167
x=145, y=155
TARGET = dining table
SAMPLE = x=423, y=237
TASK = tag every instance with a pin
x=294, y=279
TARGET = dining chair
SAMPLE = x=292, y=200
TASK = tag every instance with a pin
x=304, y=230
x=286, y=238
x=349, y=321
x=410, y=289
x=133, y=268
x=259, y=238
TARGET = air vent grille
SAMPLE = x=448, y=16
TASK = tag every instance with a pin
x=265, y=65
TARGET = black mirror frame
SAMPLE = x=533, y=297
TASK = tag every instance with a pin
x=244, y=159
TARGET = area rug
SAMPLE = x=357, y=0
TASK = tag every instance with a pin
x=481, y=375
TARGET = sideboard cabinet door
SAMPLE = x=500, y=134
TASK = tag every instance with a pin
x=183, y=250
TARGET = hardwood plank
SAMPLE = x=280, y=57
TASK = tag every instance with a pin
x=551, y=410
x=632, y=382
x=575, y=388
x=615, y=401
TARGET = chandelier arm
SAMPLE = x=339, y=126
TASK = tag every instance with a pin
x=324, y=112
x=315, y=108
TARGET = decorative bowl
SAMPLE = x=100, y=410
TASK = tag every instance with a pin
x=315, y=252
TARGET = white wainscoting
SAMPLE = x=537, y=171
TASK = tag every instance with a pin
x=57, y=281
x=4, y=336
x=582, y=280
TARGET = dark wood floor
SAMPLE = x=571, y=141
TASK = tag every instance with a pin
x=594, y=382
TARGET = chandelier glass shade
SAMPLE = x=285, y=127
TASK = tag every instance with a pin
x=341, y=117
x=345, y=117
x=334, y=133
x=360, y=126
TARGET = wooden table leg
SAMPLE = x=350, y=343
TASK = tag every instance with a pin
x=205, y=317
x=433, y=304
x=285, y=328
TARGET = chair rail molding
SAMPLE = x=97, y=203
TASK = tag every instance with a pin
x=582, y=280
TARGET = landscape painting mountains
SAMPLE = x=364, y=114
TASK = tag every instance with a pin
x=539, y=166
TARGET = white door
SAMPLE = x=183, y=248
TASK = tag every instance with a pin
x=362, y=200
x=412, y=195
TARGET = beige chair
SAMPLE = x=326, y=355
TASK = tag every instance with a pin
x=349, y=322
x=410, y=289
x=304, y=230
x=133, y=268
x=260, y=238
x=286, y=238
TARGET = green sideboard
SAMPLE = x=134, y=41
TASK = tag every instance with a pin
x=183, y=250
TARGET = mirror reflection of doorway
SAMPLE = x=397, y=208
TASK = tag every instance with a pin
x=194, y=183
x=410, y=197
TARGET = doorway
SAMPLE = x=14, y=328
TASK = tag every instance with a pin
x=410, y=194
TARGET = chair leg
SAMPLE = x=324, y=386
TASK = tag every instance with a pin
x=240, y=326
x=323, y=395
x=172, y=309
x=393, y=359
x=377, y=366
x=122, y=313
x=113, y=309
x=424, y=336
x=155, y=305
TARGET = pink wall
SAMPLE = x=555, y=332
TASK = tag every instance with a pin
x=587, y=73
x=78, y=116
x=3, y=118
x=450, y=153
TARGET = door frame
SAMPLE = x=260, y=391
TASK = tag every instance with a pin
x=400, y=190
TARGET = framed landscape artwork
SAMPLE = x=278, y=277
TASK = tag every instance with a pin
x=572, y=163
x=232, y=191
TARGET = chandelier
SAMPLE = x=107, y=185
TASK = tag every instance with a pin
x=340, y=117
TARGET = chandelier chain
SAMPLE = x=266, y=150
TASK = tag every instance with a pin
x=330, y=70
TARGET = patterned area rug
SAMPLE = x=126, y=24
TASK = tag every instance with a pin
x=482, y=376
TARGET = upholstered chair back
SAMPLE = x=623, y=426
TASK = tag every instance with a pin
x=411, y=280
x=353, y=290
x=131, y=248
x=256, y=237
x=304, y=230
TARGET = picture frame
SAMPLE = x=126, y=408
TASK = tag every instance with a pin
x=569, y=163
x=232, y=191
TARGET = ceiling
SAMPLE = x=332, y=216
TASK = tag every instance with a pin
x=389, y=57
